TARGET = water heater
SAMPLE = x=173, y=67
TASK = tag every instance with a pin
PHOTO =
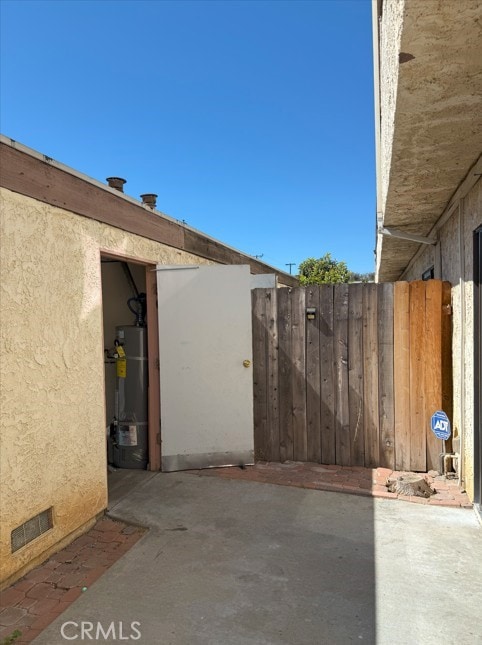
x=129, y=448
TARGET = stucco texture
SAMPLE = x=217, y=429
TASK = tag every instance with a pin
x=51, y=368
x=431, y=123
x=390, y=27
x=457, y=268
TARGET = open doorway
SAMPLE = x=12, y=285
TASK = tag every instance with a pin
x=130, y=352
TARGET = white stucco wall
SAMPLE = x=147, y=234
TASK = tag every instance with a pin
x=51, y=367
x=457, y=268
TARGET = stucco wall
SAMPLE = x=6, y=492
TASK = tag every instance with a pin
x=390, y=38
x=421, y=264
x=458, y=269
x=51, y=367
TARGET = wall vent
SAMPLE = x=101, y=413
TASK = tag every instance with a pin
x=31, y=529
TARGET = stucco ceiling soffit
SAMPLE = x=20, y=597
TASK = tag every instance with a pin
x=438, y=118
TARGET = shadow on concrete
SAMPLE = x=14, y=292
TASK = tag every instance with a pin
x=239, y=562
x=229, y=562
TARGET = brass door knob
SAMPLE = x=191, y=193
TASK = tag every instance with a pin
x=247, y=363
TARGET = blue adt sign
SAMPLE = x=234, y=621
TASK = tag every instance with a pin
x=441, y=425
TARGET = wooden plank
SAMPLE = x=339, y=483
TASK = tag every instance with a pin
x=328, y=436
x=340, y=346
x=385, y=375
x=272, y=366
x=355, y=373
x=285, y=387
x=154, y=392
x=313, y=377
x=207, y=247
x=370, y=381
x=401, y=380
x=433, y=368
x=298, y=353
x=45, y=181
x=447, y=378
x=418, y=460
x=260, y=404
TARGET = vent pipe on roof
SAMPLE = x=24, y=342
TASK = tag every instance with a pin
x=149, y=199
x=117, y=183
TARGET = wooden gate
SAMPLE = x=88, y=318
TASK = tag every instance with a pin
x=357, y=384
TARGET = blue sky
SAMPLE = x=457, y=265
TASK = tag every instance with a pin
x=252, y=121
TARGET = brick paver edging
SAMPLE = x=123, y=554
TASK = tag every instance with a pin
x=370, y=482
x=36, y=600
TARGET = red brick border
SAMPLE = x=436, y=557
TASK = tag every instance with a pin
x=35, y=600
x=370, y=482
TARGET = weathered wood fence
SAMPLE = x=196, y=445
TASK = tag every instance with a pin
x=357, y=384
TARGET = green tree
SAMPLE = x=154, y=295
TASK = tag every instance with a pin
x=328, y=270
x=325, y=270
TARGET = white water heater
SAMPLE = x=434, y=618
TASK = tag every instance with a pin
x=129, y=440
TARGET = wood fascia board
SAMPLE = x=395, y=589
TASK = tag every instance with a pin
x=29, y=175
x=40, y=180
x=211, y=249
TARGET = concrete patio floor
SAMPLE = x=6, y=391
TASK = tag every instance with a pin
x=229, y=562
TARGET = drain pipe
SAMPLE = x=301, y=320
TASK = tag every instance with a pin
x=462, y=344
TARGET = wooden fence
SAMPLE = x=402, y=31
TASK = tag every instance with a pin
x=358, y=384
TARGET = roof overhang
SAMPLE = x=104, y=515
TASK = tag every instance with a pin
x=437, y=130
x=31, y=173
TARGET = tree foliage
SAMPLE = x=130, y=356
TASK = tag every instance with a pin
x=328, y=270
x=323, y=270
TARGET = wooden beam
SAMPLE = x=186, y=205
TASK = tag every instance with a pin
x=298, y=353
x=313, y=374
x=401, y=377
x=418, y=420
x=355, y=374
x=272, y=365
x=260, y=402
x=385, y=375
x=340, y=348
x=285, y=370
x=328, y=403
x=40, y=180
x=26, y=173
x=370, y=381
x=154, y=392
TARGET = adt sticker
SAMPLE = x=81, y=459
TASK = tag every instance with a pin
x=441, y=425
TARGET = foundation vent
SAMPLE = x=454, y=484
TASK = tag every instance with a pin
x=31, y=529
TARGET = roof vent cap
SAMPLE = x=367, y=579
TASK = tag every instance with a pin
x=149, y=199
x=117, y=183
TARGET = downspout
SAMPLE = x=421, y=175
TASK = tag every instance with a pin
x=462, y=343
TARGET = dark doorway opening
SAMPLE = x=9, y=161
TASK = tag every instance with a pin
x=131, y=359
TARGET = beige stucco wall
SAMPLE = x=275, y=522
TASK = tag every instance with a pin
x=390, y=27
x=457, y=268
x=51, y=367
